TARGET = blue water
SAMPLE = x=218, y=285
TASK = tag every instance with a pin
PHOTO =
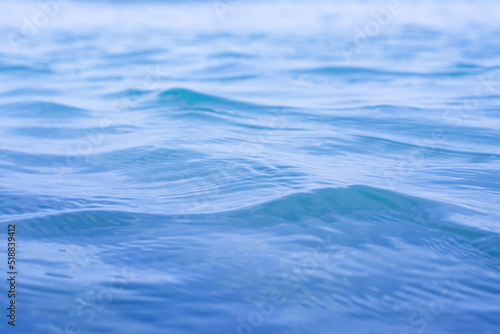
x=258, y=168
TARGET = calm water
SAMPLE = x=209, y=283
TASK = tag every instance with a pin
x=251, y=167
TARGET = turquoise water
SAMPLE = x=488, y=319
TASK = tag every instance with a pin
x=251, y=167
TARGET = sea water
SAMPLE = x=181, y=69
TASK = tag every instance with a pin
x=251, y=167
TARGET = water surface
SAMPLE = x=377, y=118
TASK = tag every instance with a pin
x=257, y=168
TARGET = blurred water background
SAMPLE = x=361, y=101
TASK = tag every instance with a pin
x=252, y=167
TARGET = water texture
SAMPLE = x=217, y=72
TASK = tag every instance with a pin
x=251, y=167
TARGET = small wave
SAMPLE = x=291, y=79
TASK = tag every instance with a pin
x=185, y=99
x=42, y=110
